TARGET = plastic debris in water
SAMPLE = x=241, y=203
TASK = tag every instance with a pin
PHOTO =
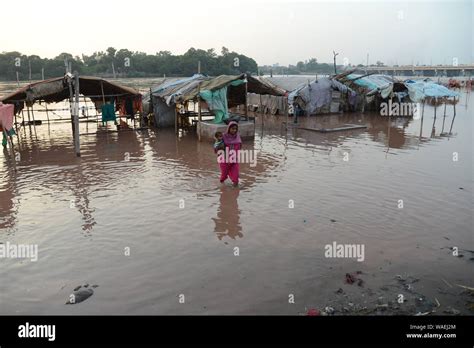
x=313, y=312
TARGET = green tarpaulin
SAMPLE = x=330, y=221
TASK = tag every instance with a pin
x=217, y=100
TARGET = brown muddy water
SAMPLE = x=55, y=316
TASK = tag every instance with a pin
x=84, y=213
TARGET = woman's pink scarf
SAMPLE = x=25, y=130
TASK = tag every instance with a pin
x=232, y=139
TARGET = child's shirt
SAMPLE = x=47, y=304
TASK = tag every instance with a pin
x=219, y=145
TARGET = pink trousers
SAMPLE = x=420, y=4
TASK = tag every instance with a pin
x=230, y=170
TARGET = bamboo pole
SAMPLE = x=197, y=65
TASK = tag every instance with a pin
x=77, y=145
x=246, y=112
x=454, y=106
x=175, y=120
x=34, y=121
x=70, y=103
x=434, y=120
x=86, y=114
x=422, y=115
x=199, y=111
x=388, y=133
x=103, y=96
x=47, y=113
x=444, y=117
x=452, y=122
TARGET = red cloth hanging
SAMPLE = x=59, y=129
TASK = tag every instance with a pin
x=6, y=116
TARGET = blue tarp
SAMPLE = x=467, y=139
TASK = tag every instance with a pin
x=420, y=89
x=318, y=93
x=381, y=83
x=217, y=101
x=171, y=91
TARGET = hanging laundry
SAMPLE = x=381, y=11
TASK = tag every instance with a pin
x=6, y=116
x=129, y=110
x=129, y=106
x=108, y=113
x=6, y=121
x=137, y=104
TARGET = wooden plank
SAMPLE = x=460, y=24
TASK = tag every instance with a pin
x=337, y=129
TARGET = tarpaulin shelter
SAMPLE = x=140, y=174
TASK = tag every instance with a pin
x=57, y=89
x=373, y=84
x=318, y=96
x=373, y=89
x=70, y=87
x=219, y=93
x=421, y=89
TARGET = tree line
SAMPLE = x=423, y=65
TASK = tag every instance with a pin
x=125, y=63
x=310, y=66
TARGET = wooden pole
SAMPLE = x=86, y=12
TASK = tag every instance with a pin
x=102, y=89
x=444, y=117
x=77, y=145
x=434, y=120
x=246, y=112
x=261, y=108
x=199, y=111
x=151, y=110
x=422, y=114
x=454, y=106
x=47, y=113
x=175, y=120
x=86, y=114
x=452, y=122
x=69, y=82
x=29, y=119
x=34, y=122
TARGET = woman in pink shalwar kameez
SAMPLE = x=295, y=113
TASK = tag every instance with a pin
x=233, y=143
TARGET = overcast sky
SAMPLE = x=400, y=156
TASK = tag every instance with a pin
x=271, y=32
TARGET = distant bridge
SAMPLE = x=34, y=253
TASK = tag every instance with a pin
x=423, y=70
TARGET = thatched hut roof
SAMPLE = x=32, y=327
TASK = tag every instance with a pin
x=57, y=89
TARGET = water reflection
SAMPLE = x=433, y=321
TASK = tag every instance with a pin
x=391, y=132
x=8, y=210
x=227, y=222
x=119, y=203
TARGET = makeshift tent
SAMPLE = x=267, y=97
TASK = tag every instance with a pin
x=217, y=100
x=372, y=89
x=164, y=97
x=316, y=97
x=70, y=87
x=57, y=89
x=420, y=89
x=220, y=93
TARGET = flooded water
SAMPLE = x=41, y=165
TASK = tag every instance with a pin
x=142, y=215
